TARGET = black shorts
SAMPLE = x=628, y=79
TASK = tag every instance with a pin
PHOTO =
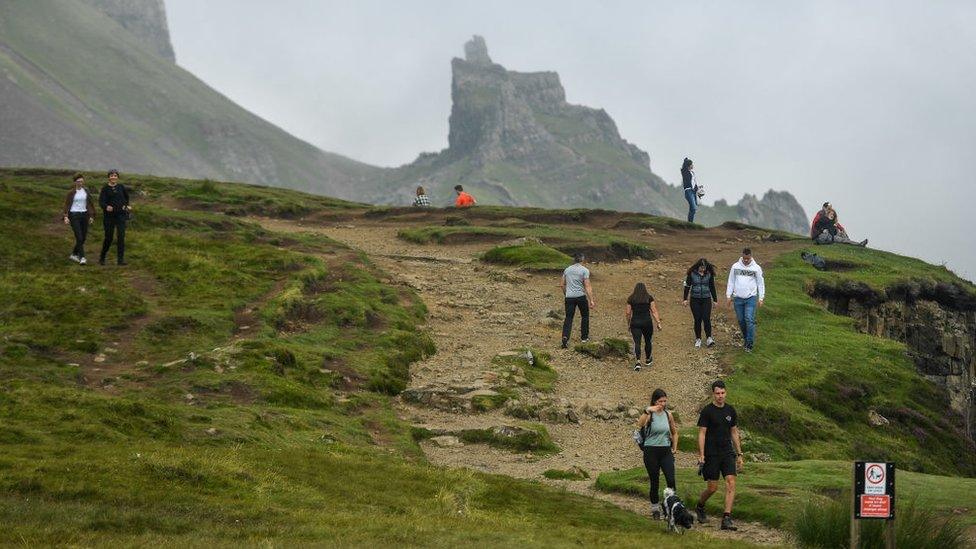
x=714, y=465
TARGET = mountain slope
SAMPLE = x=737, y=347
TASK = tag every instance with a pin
x=78, y=89
x=516, y=141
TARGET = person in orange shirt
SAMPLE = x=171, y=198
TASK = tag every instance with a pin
x=464, y=200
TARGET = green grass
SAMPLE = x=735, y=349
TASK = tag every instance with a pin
x=828, y=525
x=528, y=437
x=597, y=245
x=534, y=257
x=566, y=474
x=609, y=347
x=775, y=493
x=208, y=434
x=806, y=390
x=537, y=374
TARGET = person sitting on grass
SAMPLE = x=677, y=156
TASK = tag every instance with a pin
x=828, y=231
x=422, y=200
x=464, y=200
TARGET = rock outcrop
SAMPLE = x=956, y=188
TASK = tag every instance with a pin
x=515, y=140
x=937, y=322
x=144, y=19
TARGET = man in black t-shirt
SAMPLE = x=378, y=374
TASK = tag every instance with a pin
x=719, y=451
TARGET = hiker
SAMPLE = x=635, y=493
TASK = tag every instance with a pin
x=79, y=212
x=746, y=291
x=575, y=284
x=700, y=289
x=464, y=200
x=422, y=200
x=828, y=230
x=114, y=201
x=690, y=187
x=660, y=446
x=718, y=431
x=640, y=309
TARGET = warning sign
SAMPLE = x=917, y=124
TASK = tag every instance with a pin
x=874, y=478
x=875, y=506
x=874, y=490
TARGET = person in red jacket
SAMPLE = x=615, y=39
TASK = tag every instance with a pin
x=464, y=200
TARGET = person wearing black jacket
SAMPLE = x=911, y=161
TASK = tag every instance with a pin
x=700, y=287
x=690, y=188
x=114, y=201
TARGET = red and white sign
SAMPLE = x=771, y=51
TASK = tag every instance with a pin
x=874, y=479
x=875, y=506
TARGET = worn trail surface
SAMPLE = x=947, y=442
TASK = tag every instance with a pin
x=478, y=311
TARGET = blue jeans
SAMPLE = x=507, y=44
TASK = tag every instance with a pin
x=745, y=311
x=692, y=199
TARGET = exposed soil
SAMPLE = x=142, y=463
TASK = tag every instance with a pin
x=478, y=311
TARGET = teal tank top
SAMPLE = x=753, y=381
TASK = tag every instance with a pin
x=659, y=432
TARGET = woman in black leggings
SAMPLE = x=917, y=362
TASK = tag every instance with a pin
x=640, y=309
x=700, y=287
x=660, y=445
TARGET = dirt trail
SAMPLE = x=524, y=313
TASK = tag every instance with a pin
x=478, y=311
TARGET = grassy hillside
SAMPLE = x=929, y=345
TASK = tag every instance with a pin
x=807, y=389
x=80, y=90
x=775, y=493
x=230, y=386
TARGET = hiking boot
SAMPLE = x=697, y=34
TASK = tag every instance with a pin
x=649, y=362
x=83, y=261
x=709, y=342
x=564, y=345
x=698, y=343
x=700, y=514
x=121, y=262
x=74, y=258
x=863, y=243
x=656, y=515
x=727, y=524
x=748, y=348
x=101, y=260
x=637, y=366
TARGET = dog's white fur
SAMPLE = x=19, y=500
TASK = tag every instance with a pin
x=671, y=500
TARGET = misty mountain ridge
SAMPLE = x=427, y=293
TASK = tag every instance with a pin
x=70, y=97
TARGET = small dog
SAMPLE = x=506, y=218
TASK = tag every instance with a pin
x=675, y=512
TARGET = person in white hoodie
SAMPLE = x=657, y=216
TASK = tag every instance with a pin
x=745, y=292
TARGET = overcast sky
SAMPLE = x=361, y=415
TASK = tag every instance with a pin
x=871, y=105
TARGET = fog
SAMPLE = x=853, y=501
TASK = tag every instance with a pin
x=869, y=105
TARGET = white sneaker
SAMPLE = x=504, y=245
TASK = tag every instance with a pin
x=74, y=258
x=698, y=343
x=710, y=342
x=83, y=261
x=585, y=340
x=637, y=366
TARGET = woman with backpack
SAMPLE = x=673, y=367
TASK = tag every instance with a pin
x=660, y=443
x=700, y=288
x=640, y=309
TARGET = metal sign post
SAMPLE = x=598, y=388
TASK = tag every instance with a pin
x=874, y=498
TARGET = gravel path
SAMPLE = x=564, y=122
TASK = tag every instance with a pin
x=478, y=311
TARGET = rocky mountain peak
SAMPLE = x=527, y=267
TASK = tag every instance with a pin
x=476, y=51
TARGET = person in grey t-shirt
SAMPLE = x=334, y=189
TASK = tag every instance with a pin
x=579, y=294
